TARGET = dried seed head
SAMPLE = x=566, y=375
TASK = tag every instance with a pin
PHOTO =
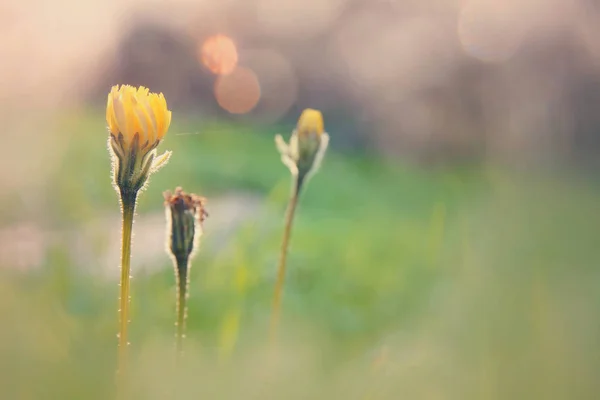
x=185, y=215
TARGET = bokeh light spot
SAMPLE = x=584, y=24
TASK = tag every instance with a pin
x=219, y=54
x=239, y=91
x=278, y=82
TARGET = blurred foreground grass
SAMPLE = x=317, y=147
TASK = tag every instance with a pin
x=461, y=283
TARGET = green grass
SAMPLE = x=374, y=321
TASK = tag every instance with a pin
x=473, y=278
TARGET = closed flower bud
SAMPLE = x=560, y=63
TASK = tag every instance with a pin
x=137, y=121
x=307, y=145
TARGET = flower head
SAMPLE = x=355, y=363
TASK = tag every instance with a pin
x=307, y=145
x=137, y=122
x=131, y=112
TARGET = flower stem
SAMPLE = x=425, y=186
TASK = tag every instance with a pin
x=128, y=201
x=289, y=220
x=182, y=292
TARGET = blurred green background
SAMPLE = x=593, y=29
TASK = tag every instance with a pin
x=461, y=282
x=446, y=249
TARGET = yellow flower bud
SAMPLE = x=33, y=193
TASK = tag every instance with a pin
x=307, y=145
x=310, y=122
x=131, y=111
x=137, y=121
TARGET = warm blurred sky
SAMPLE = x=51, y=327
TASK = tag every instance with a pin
x=414, y=70
x=43, y=42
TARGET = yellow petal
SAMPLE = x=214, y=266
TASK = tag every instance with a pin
x=110, y=110
x=141, y=127
x=142, y=92
x=167, y=122
x=166, y=114
x=145, y=124
x=144, y=120
x=129, y=106
x=150, y=119
x=120, y=116
x=158, y=114
x=110, y=117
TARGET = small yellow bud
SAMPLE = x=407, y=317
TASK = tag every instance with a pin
x=310, y=122
x=131, y=111
x=307, y=145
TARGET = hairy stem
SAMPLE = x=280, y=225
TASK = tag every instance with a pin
x=182, y=293
x=281, y=268
x=128, y=210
